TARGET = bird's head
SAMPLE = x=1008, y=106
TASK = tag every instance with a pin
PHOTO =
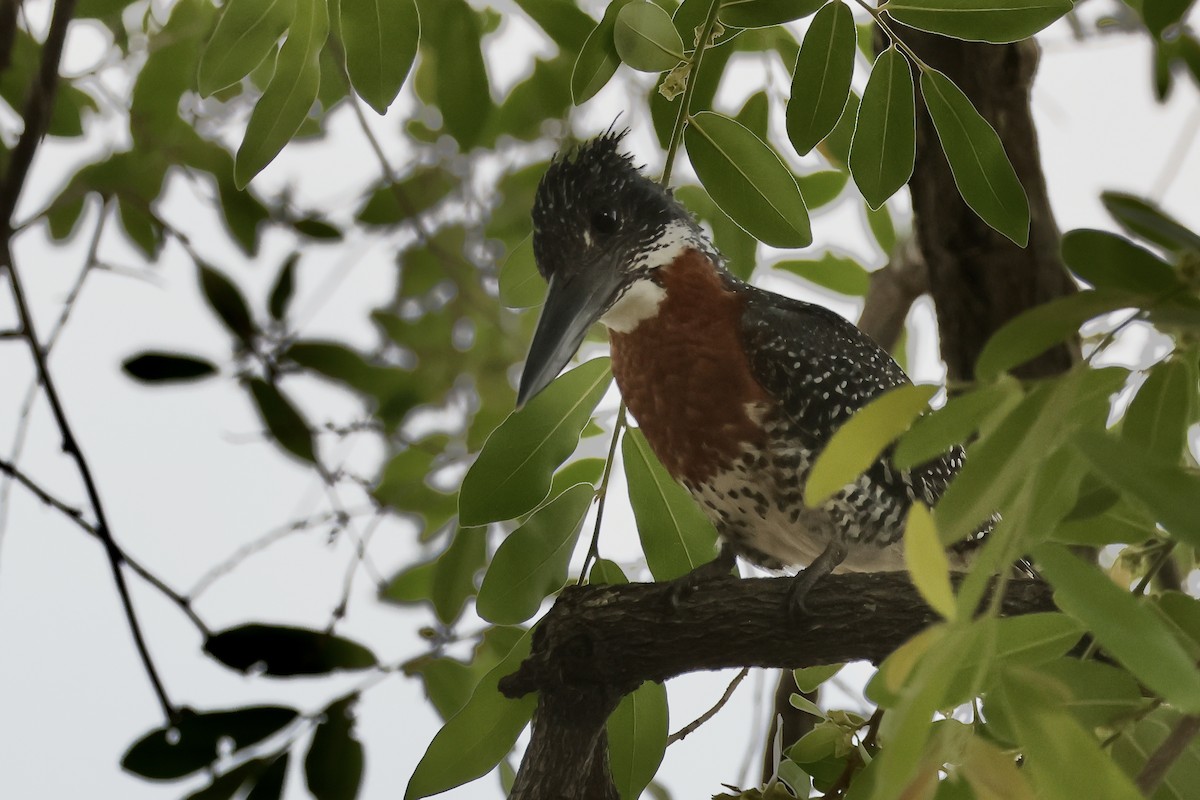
x=601, y=232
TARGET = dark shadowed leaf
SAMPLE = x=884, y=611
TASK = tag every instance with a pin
x=531, y=563
x=883, y=151
x=1161, y=14
x=380, y=38
x=1108, y=261
x=637, y=738
x=157, y=367
x=475, y=739
x=513, y=471
x=245, y=35
x=765, y=13
x=1124, y=625
x=269, y=784
x=646, y=39
x=462, y=79
x=333, y=767
x=997, y=21
x=598, y=59
x=289, y=96
x=605, y=572
x=984, y=175
x=749, y=182
x=821, y=80
x=1146, y=220
x=282, y=651
x=284, y=288
x=227, y=301
x=174, y=751
x=283, y=421
x=839, y=274
x=676, y=535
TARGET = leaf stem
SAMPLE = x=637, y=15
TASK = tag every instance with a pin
x=877, y=15
x=681, y=116
x=594, y=548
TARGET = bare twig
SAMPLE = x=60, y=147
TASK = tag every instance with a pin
x=593, y=552
x=36, y=117
x=1168, y=753
x=683, y=732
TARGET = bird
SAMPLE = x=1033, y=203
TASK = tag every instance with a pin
x=736, y=389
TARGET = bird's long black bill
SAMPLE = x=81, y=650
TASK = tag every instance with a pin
x=572, y=306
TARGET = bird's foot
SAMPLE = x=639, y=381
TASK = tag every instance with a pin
x=720, y=567
x=802, y=584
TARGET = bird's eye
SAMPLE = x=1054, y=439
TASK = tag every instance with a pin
x=604, y=221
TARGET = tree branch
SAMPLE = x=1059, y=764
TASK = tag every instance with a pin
x=601, y=642
x=36, y=117
x=893, y=291
x=1167, y=754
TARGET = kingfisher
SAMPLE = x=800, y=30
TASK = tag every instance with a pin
x=736, y=389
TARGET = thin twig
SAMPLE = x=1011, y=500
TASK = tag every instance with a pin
x=688, y=90
x=36, y=117
x=593, y=552
x=683, y=732
x=360, y=558
x=1160, y=761
x=11, y=472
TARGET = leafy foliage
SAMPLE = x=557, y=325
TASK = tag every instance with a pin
x=495, y=499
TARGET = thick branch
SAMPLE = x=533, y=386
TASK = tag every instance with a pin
x=600, y=642
x=893, y=291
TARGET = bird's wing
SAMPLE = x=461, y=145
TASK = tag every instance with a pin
x=821, y=369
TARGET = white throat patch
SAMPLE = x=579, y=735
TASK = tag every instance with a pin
x=638, y=303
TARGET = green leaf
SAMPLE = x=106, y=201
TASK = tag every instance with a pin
x=283, y=651
x=333, y=767
x=821, y=80
x=223, y=297
x=1161, y=411
x=393, y=203
x=809, y=678
x=1032, y=332
x=927, y=563
x=836, y=147
x=840, y=274
x=605, y=572
x=245, y=35
x=562, y=21
x=283, y=421
x=676, y=535
x=284, y=288
x=1162, y=14
x=1164, y=489
x=822, y=187
x=513, y=471
x=857, y=444
x=747, y=180
x=413, y=584
x=158, y=367
x=404, y=485
x=463, y=92
x=598, y=59
x=884, y=148
x=475, y=739
x=953, y=423
x=739, y=248
x=290, y=94
x=1062, y=759
x=380, y=38
x=1100, y=694
x=981, y=169
x=1108, y=261
x=1004, y=462
x=1130, y=631
x=996, y=21
x=1146, y=220
x=1139, y=742
x=531, y=563
x=454, y=576
x=646, y=38
x=520, y=284
x=765, y=13
x=637, y=738
x=879, y=220
x=755, y=115
x=191, y=742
